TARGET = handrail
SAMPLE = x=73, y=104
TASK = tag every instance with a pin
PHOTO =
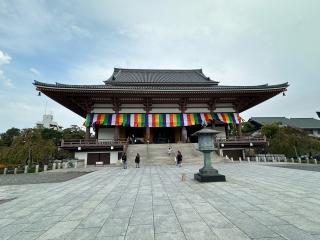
x=71, y=142
x=241, y=139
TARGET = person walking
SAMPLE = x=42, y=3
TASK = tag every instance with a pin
x=137, y=160
x=179, y=159
x=169, y=150
x=124, y=161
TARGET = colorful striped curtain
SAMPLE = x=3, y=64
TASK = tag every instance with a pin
x=159, y=119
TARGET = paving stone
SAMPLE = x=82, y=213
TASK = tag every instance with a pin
x=60, y=230
x=166, y=224
x=187, y=215
x=253, y=228
x=230, y=233
x=259, y=201
x=140, y=232
x=44, y=224
x=11, y=230
x=114, y=227
x=170, y=236
x=163, y=210
x=266, y=218
x=292, y=233
x=26, y=236
x=93, y=220
x=216, y=220
x=303, y=223
x=140, y=218
x=82, y=234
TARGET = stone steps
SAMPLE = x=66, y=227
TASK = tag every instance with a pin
x=157, y=154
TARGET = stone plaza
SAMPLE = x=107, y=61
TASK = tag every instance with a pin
x=258, y=201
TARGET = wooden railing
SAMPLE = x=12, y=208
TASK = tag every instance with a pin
x=92, y=142
x=241, y=139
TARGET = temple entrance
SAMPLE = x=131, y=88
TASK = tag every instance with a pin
x=163, y=135
x=136, y=135
x=191, y=130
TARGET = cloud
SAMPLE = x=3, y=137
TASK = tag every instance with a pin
x=34, y=71
x=4, y=59
x=243, y=43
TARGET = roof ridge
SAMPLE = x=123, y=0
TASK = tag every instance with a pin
x=198, y=70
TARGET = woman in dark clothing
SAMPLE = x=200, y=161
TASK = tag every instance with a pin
x=179, y=158
x=124, y=161
x=137, y=161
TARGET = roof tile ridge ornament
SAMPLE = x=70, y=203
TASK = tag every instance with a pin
x=115, y=75
x=200, y=72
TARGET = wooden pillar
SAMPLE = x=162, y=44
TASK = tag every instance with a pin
x=87, y=134
x=184, y=135
x=183, y=108
x=116, y=133
x=213, y=124
x=148, y=134
x=239, y=129
x=116, y=108
x=226, y=130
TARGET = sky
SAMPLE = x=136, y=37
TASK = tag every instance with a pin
x=238, y=42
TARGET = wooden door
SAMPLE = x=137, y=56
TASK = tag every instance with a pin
x=105, y=158
x=98, y=157
x=92, y=158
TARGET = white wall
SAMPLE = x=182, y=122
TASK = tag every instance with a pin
x=197, y=110
x=162, y=108
x=81, y=156
x=102, y=108
x=316, y=132
x=165, y=110
x=113, y=157
x=105, y=133
x=222, y=133
x=84, y=155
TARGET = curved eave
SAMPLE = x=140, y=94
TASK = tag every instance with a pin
x=156, y=89
x=66, y=95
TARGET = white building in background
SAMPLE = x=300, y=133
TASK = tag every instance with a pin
x=47, y=122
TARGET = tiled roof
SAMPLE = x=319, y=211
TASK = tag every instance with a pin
x=122, y=76
x=309, y=123
x=270, y=120
x=303, y=123
x=164, y=87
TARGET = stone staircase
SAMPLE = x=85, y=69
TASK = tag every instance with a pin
x=157, y=154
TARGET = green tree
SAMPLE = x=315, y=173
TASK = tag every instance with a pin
x=52, y=134
x=247, y=127
x=270, y=130
x=8, y=137
x=29, y=146
x=73, y=132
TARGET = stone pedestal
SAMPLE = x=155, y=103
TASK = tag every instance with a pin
x=208, y=173
x=206, y=143
x=209, y=178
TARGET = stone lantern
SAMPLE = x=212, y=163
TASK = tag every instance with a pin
x=206, y=146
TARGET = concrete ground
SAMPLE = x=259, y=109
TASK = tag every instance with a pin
x=257, y=202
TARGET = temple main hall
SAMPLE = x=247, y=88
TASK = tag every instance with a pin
x=157, y=106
